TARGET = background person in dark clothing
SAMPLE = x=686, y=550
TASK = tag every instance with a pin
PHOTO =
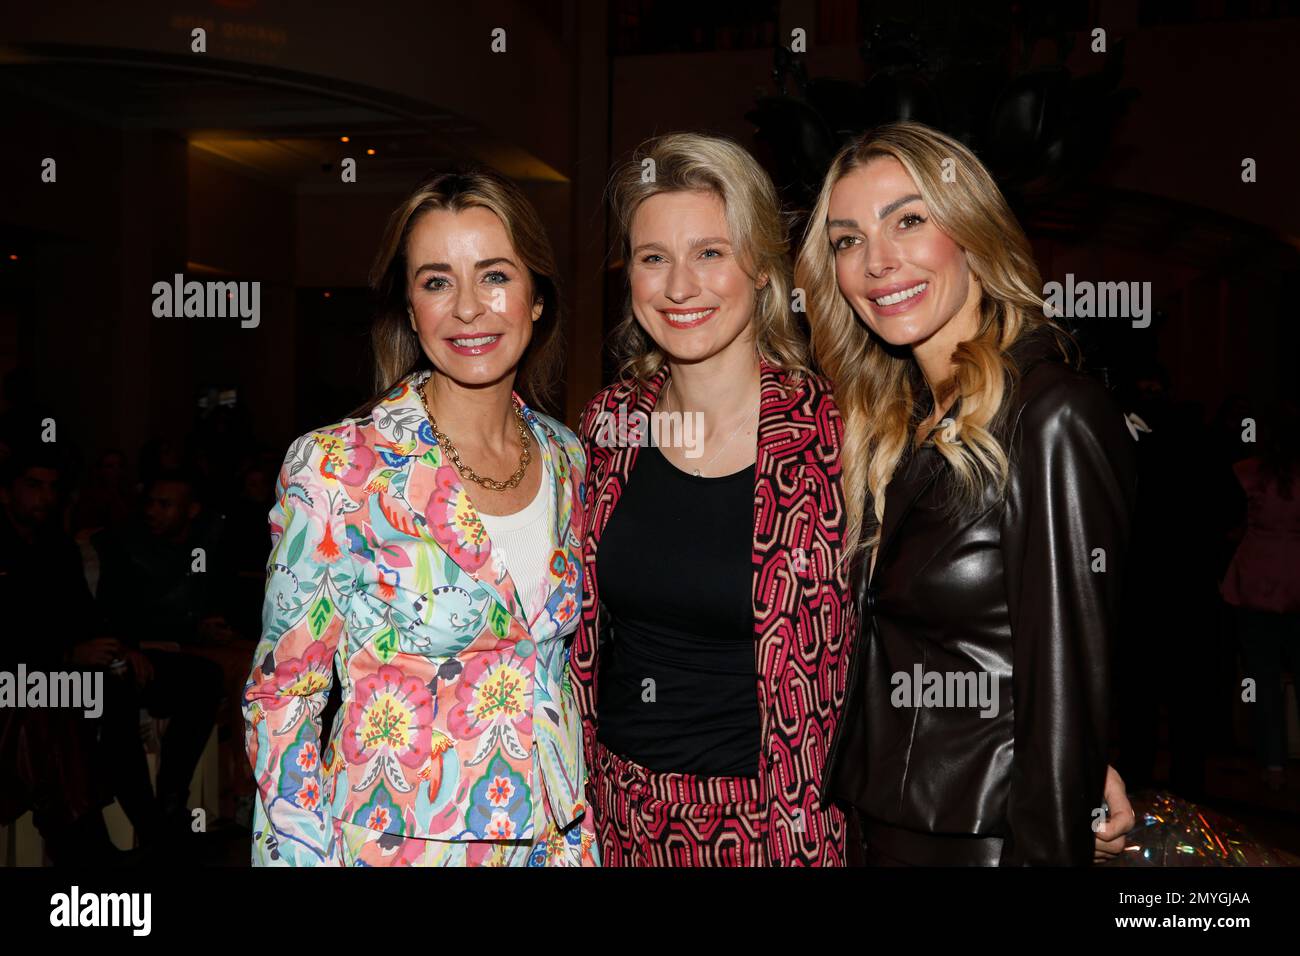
x=164, y=576
x=1262, y=582
x=154, y=590
x=48, y=755
x=105, y=498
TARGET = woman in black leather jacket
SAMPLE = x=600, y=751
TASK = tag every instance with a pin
x=993, y=484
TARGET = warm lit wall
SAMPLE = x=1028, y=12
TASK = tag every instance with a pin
x=436, y=53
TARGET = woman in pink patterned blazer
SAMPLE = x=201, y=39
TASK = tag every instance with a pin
x=709, y=665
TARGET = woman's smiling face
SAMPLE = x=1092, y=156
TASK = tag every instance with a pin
x=471, y=298
x=689, y=291
x=903, y=277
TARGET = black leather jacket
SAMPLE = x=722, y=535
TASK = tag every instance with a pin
x=1014, y=590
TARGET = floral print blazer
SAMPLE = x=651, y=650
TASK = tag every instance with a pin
x=457, y=714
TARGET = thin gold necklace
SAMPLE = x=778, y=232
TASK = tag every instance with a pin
x=468, y=473
x=723, y=446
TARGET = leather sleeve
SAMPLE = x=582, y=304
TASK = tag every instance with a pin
x=1064, y=537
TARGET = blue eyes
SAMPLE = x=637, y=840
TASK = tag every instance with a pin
x=651, y=257
x=439, y=283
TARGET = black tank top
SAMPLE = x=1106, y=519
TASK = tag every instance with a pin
x=678, y=678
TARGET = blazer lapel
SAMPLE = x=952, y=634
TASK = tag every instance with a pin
x=623, y=456
x=778, y=471
x=446, y=517
x=780, y=447
x=566, y=555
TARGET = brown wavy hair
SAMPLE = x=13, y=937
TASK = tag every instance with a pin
x=397, y=349
x=694, y=162
x=880, y=391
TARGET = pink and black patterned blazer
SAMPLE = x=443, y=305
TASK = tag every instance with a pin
x=804, y=616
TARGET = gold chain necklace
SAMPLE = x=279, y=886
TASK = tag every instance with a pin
x=468, y=473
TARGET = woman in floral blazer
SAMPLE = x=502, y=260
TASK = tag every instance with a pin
x=458, y=741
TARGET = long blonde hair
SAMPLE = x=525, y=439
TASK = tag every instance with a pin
x=880, y=390
x=688, y=162
x=396, y=347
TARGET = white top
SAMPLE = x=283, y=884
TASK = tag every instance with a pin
x=523, y=541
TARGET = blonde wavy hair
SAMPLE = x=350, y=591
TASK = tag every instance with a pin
x=693, y=162
x=879, y=389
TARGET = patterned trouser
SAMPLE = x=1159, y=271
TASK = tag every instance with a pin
x=645, y=818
